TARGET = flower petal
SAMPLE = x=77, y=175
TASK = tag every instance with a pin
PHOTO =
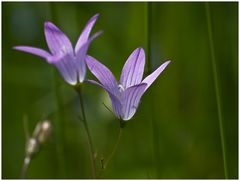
x=103, y=74
x=66, y=65
x=57, y=41
x=130, y=100
x=116, y=104
x=81, y=54
x=83, y=38
x=35, y=51
x=150, y=79
x=133, y=69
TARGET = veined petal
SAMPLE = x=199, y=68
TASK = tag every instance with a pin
x=133, y=69
x=150, y=79
x=35, y=51
x=57, y=41
x=103, y=74
x=130, y=100
x=81, y=54
x=67, y=67
x=83, y=38
x=116, y=104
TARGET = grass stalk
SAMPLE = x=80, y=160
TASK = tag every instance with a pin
x=149, y=19
x=148, y=34
x=217, y=89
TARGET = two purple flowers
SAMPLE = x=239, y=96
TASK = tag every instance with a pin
x=71, y=63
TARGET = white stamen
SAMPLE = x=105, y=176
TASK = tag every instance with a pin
x=120, y=88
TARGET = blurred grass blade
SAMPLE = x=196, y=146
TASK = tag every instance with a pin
x=149, y=32
x=217, y=89
x=154, y=137
x=59, y=119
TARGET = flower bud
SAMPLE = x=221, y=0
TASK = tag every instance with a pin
x=40, y=135
x=32, y=146
x=44, y=132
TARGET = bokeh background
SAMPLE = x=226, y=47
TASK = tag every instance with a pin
x=175, y=132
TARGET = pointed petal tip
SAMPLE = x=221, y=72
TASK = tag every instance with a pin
x=98, y=33
x=15, y=47
x=151, y=78
x=19, y=48
x=32, y=50
x=49, y=25
x=167, y=62
x=140, y=50
x=94, y=17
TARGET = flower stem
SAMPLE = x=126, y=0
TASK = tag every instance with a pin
x=105, y=164
x=89, y=139
x=215, y=76
x=114, y=148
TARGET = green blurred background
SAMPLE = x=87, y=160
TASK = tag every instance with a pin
x=175, y=132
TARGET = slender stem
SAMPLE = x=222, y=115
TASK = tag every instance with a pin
x=106, y=163
x=90, y=144
x=25, y=167
x=114, y=148
x=216, y=83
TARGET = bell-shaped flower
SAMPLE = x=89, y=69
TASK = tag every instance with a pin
x=126, y=94
x=69, y=62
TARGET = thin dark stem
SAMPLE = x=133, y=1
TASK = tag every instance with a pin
x=114, y=148
x=89, y=139
x=216, y=82
x=106, y=163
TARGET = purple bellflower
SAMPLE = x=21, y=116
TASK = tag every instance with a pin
x=70, y=63
x=126, y=94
